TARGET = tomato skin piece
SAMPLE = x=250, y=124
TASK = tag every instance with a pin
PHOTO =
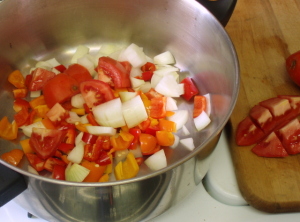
x=127, y=66
x=78, y=72
x=190, y=88
x=146, y=76
x=270, y=147
x=39, y=78
x=248, y=133
x=60, y=89
x=96, y=92
x=116, y=71
x=293, y=67
x=45, y=141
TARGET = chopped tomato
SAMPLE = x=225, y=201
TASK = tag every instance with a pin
x=17, y=79
x=78, y=72
x=60, y=89
x=51, y=162
x=147, y=76
x=39, y=78
x=190, y=88
x=21, y=117
x=270, y=147
x=96, y=92
x=199, y=105
x=13, y=157
x=148, y=143
x=20, y=104
x=57, y=113
x=158, y=107
x=61, y=68
x=115, y=71
x=45, y=141
x=277, y=106
x=293, y=67
x=263, y=118
x=36, y=162
x=127, y=66
x=58, y=172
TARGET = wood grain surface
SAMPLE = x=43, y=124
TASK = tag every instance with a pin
x=265, y=33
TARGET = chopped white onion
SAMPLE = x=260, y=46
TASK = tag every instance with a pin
x=164, y=70
x=87, y=63
x=186, y=132
x=125, y=96
x=77, y=101
x=157, y=161
x=176, y=142
x=76, y=173
x=55, y=71
x=168, y=86
x=109, y=113
x=171, y=104
x=134, y=55
x=135, y=83
x=78, y=138
x=101, y=130
x=76, y=154
x=146, y=87
x=188, y=143
x=208, y=104
x=135, y=71
x=80, y=52
x=53, y=62
x=134, y=111
x=34, y=94
x=180, y=118
x=84, y=119
x=164, y=58
x=201, y=121
x=27, y=130
x=32, y=170
x=109, y=48
x=73, y=118
x=137, y=152
x=120, y=155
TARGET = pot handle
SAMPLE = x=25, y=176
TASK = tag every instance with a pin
x=11, y=184
x=221, y=9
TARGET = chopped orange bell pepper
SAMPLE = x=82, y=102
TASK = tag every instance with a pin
x=118, y=143
x=82, y=127
x=8, y=131
x=48, y=123
x=41, y=110
x=37, y=101
x=126, y=136
x=13, y=157
x=167, y=125
x=165, y=138
x=79, y=112
x=26, y=146
x=96, y=171
x=20, y=93
x=104, y=178
x=17, y=79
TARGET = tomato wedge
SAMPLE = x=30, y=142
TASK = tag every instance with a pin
x=60, y=89
x=95, y=92
x=39, y=78
x=45, y=141
x=114, y=70
x=78, y=72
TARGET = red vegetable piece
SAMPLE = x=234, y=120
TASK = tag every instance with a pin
x=248, y=133
x=127, y=66
x=61, y=68
x=65, y=147
x=147, y=75
x=263, y=118
x=21, y=117
x=36, y=162
x=45, y=141
x=293, y=67
x=277, y=106
x=39, y=78
x=51, y=162
x=149, y=66
x=58, y=172
x=158, y=107
x=20, y=104
x=190, y=89
x=57, y=114
x=103, y=159
x=114, y=70
x=78, y=72
x=153, y=94
x=89, y=138
x=270, y=147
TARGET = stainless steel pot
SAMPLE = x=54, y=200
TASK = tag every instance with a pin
x=33, y=30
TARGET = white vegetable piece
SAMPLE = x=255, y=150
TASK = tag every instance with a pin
x=125, y=96
x=188, y=143
x=80, y=52
x=157, y=161
x=27, y=130
x=202, y=121
x=176, y=142
x=120, y=155
x=34, y=94
x=84, y=119
x=76, y=154
x=101, y=130
x=164, y=58
x=109, y=113
x=32, y=170
x=73, y=118
x=78, y=138
x=134, y=111
x=208, y=104
x=135, y=71
x=145, y=87
x=137, y=152
x=180, y=118
x=53, y=62
x=76, y=173
x=168, y=86
x=171, y=104
x=134, y=55
x=77, y=101
x=135, y=83
x=87, y=62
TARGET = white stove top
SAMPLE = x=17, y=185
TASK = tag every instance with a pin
x=223, y=202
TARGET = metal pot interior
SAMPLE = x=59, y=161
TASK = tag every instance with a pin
x=37, y=30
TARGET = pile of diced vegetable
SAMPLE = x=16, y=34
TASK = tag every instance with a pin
x=102, y=116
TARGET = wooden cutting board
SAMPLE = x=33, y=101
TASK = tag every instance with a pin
x=265, y=33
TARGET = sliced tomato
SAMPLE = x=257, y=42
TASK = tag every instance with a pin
x=96, y=92
x=51, y=162
x=78, y=72
x=277, y=106
x=57, y=114
x=190, y=89
x=20, y=104
x=158, y=107
x=127, y=66
x=290, y=137
x=248, y=133
x=115, y=71
x=60, y=89
x=36, y=162
x=147, y=76
x=61, y=68
x=263, y=118
x=270, y=147
x=58, y=172
x=45, y=141
x=39, y=78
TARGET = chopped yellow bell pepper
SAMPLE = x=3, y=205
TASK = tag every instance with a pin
x=127, y=169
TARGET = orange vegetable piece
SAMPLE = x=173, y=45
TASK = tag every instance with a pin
x=148, y=143
x=13, y=157
x=158, y=107
x=41, y=110
x=26, y=146
x=82, y=127
x=65, y=159
x=118, y=143
x=199, y=105
x=127, y=169
x=20, y=93
x=8, y=131
x=37, y=101
x=126, y=136
x=104, y=178
x=17, y=79
x=48, y=123
x=169, y=113
x=167, y=125
x=96, y=171
x=165, y=138
x=80, y=112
